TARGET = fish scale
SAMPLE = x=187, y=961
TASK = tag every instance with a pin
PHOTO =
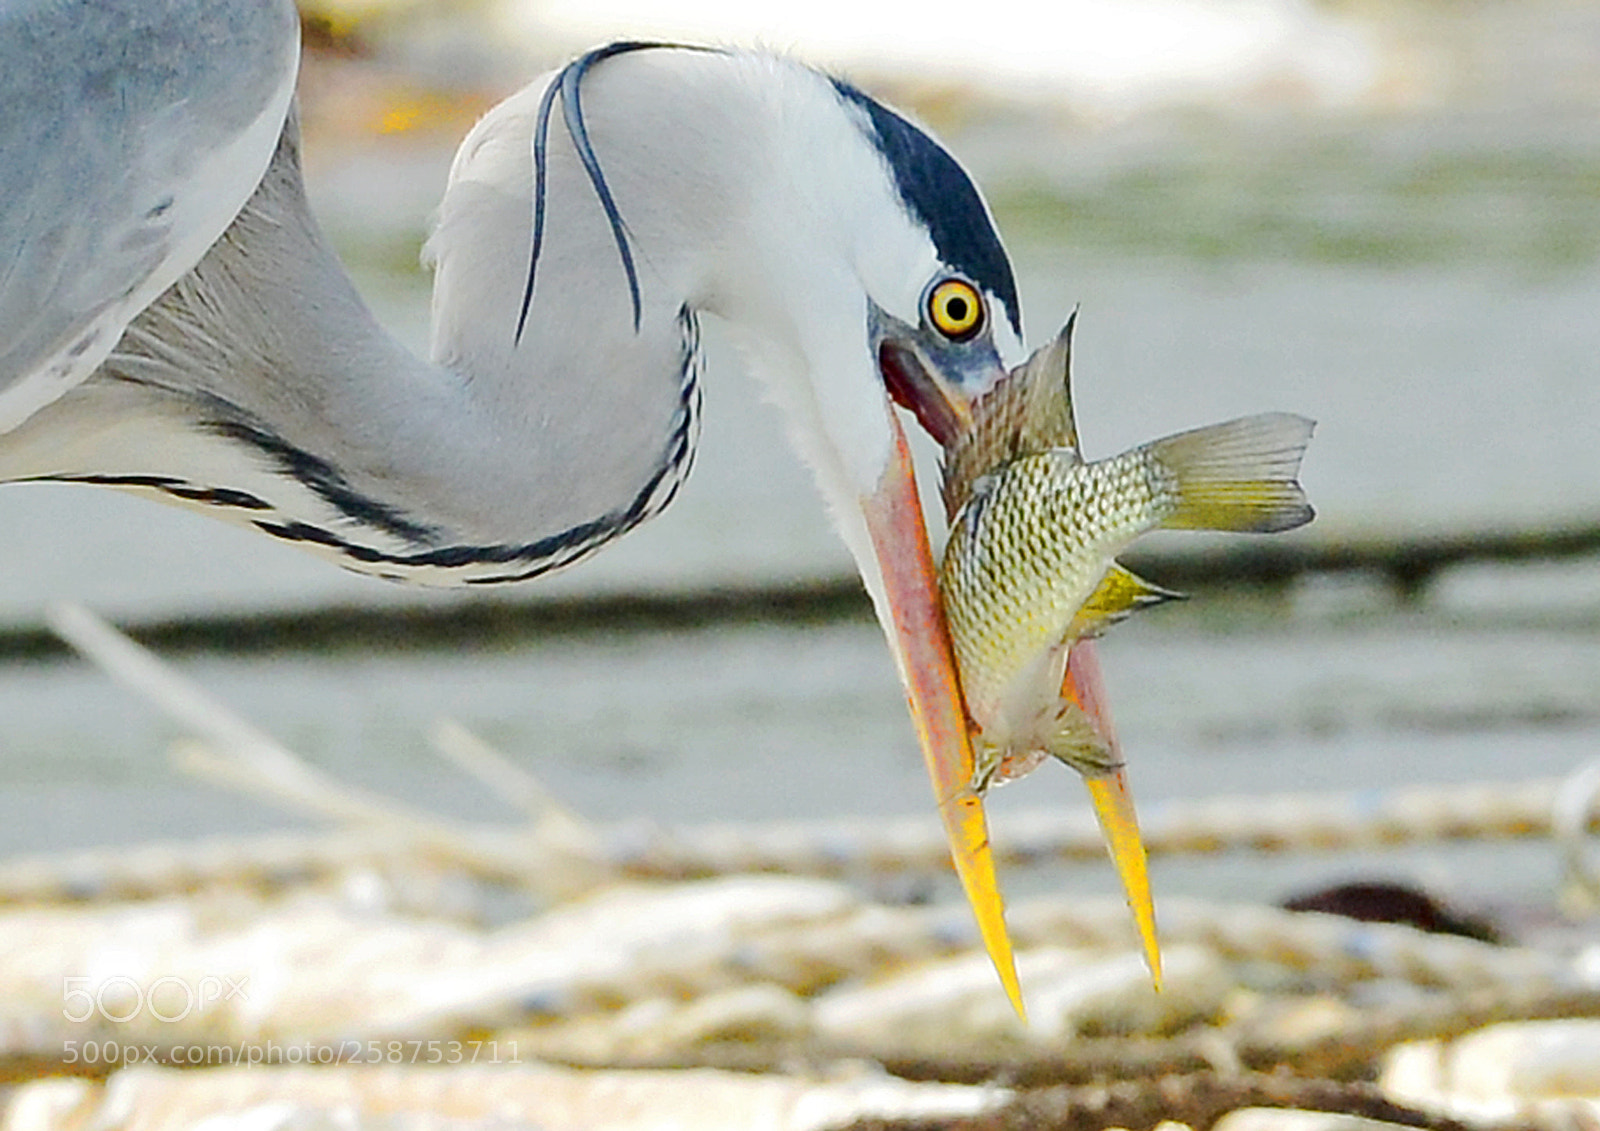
x=1037, y=535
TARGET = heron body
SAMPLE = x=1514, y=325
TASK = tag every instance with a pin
x=132, y=135
x=173, y=322
x=261, y=388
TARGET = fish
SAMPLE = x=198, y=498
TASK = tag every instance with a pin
x=1029, y=576
x=1030, y=566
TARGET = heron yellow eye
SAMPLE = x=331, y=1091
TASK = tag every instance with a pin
x=955, y=309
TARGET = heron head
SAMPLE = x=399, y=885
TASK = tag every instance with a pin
x=943, y=298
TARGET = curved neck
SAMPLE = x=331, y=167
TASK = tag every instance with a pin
x=504, y=455
x=443, y=471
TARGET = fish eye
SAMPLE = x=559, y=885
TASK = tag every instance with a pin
x=955, y=309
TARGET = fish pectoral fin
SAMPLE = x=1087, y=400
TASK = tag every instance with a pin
x=1119, y=593
x=1071, y=736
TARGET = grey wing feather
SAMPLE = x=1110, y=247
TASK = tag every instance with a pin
x=126, y=131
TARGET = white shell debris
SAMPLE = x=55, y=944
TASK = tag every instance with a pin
x=1288, y=1119
x=660, y=1028
x=637, y=917
x=1514, y=1069
x=490, y=1097
x=1547, y=1058
x=346, y=984
x=934, y=999
x=305, y=968
x=1178, y=827
x=46, y=1105
x=1114, y=995
x=1069, y=992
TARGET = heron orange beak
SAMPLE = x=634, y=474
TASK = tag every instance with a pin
x=913, y=620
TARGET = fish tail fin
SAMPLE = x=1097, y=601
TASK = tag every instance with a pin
x=1240, y=475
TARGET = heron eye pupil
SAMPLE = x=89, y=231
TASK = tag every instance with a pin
x=955, y=310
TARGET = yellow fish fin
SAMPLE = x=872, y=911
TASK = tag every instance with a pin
x=1119, y=593
x=1237, y=476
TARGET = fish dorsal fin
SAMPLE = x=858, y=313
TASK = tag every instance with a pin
x=1047, y=418
x=1027, y=412
x=1119, y=593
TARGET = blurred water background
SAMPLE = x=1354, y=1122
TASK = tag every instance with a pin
x=1381, y=213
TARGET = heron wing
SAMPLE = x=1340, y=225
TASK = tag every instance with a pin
x=132, y=134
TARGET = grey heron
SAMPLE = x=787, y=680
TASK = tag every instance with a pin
x=174, y=322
